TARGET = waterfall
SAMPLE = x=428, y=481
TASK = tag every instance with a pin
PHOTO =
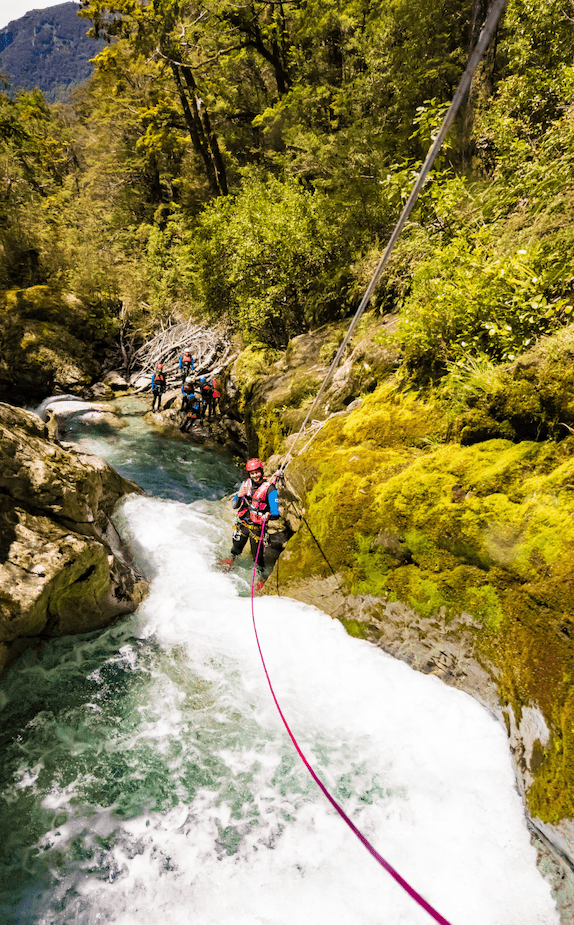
x=147, y=777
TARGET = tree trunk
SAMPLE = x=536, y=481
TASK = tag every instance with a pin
x=196, y=131
x=202, y=119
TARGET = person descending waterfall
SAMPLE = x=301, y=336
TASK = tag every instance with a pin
x=256, y=503
x=185, y=363
x=158, y=386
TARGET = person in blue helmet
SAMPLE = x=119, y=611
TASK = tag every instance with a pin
x=256, y=503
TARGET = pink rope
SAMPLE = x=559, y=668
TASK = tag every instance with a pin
x=378, y=857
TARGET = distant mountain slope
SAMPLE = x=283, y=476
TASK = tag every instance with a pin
x=47, y=49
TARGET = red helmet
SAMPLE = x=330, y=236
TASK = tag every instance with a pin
x=253, y=464
x=159, y=366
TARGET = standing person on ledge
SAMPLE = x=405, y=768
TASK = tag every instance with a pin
x=256, y=503
x=206, y=397
x=158, y=386
x=185, y=363
x=216, y=395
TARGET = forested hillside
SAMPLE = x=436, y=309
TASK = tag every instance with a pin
x=251, y=160
x=48, y=49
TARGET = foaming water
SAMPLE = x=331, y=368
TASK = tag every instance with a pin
x=148, y=778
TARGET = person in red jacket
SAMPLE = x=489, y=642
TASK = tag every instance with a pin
x=158, y=386
x=256, y=503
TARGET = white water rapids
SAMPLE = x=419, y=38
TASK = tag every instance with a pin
x=163, y=788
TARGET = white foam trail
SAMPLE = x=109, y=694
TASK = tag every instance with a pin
x=422, y=769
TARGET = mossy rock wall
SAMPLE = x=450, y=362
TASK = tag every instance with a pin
x=442, y=530
x=485, y=530
x=274, y=389
x=49, y=342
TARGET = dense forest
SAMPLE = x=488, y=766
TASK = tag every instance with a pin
x=251, y=160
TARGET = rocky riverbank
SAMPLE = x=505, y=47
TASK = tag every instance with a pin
x=63, y=569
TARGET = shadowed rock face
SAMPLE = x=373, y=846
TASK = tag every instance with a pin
x=50, y=341
x=62, y=568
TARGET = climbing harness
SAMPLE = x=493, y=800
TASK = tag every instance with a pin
x=378, y=857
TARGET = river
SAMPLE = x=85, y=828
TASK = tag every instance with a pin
x=147, y=779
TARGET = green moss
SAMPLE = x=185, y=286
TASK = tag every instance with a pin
x=484, y=605
x=551, y=797
x=485, y=529
x=371, y=568
x=354, y=628
x=268, y=424
x=251, y=365
x=301, y=389
x=425, y=595
x=530, y=400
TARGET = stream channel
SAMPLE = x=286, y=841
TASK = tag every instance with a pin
x=146, y=777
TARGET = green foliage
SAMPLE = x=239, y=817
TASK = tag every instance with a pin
x=531, y=399
x=261, y=257
x=470, y=300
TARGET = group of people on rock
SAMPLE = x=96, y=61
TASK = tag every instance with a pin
x=198, y=399
x=256, y=501
x=198, y=396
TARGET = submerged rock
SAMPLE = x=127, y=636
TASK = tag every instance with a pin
x=62, y=566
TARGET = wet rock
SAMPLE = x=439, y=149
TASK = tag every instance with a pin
x=101, y=391
x=62, y=566
x=139, y=383
x=41, y=409
x=116, y=381
x=60, y=415
x=46, y=343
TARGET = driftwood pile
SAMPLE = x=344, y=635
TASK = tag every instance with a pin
x=210, y=349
